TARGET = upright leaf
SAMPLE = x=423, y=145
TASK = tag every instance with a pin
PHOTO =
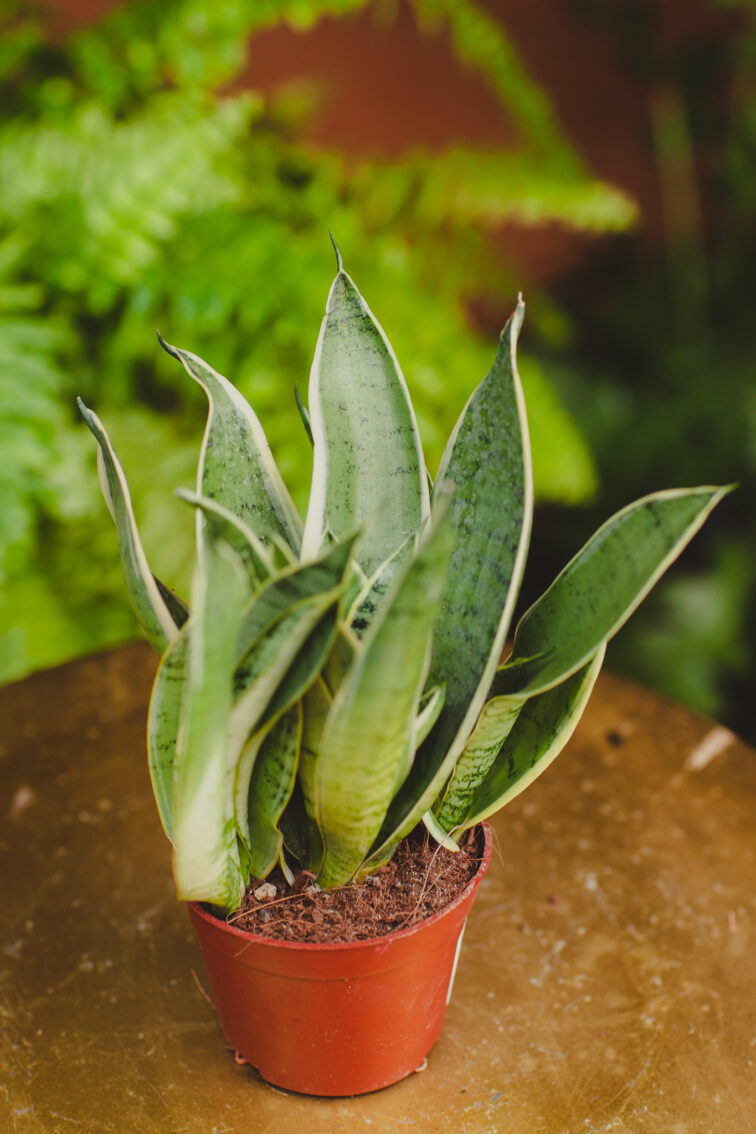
x=163, y=724
x=236, y=467
x=368, y=470
x=370, y=726
x=270, y=789
x=601, y=586
x=493, y=726
x=430, y=707
x=488, y=461
x=290, y=587
x=226, y=525
x=294, y=648
x=316, y=706
x=370, y=595
x=152, y=610
x=206, y=863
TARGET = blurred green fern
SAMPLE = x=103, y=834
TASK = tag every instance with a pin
x=132, y=196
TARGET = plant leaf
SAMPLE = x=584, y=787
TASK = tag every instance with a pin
x=303, y=412
x=293, y=823
x=288, y=588
x=177, y=608
x=226, y=525
x=369, y=728
x=494, y=723
x=298, y=642
x=601, y=586
x=430, y=707
x=368, y=469
x=163, y=724
x=340, y=658
x=144, y=591
x=236, y=466
x=316, y=705
x=488, y=460
x=272, y=783
x=542, y=729
x=206, y=862
x=372, y=592
x=438, y=833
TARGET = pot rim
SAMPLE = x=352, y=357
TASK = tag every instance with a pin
x=197, y=909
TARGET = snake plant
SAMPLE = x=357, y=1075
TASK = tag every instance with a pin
x=336, y=682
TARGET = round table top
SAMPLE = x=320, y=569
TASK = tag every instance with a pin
x=606, y=982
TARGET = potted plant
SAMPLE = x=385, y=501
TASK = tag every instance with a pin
x=338, y=682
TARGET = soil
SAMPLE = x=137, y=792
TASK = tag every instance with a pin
x=420, y=879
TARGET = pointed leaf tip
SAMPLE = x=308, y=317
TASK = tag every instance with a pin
x=171, y=350
x=339, y=261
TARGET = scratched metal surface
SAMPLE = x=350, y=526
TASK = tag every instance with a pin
x=606, y=984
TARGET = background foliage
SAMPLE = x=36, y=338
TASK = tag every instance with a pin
x=132, y=196
x=661, y=374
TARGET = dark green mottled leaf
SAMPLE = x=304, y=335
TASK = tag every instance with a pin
x=206, y=863
x=368, y=469
x=487, y=460
x=370, y=725
x=599, y=589
x=542, y=728
x=236, y=466
x=163, y=724
x=271, y=785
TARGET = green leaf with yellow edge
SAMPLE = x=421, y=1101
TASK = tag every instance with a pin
x=598, y=590
x=236, y=466
x=543, y=727
x=163, y=723
x=154, y=615
x=368, y=469
x=490, y=514
x=206, y=864
x=272, y=783
x=370, y=725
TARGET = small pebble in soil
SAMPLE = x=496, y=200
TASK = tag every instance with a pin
x=266, y=892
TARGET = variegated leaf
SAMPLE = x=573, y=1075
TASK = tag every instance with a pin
x=371, y=593
x=370, y=725
x=206, y=863
x=163, y=724
x=368, y=470
x=600, y=587
x=488, y=461
x=542, y=729
x=160, y=624
x=236, y=467
x=289, y=587
x=226, y=524
x=272, y=783
x=296, y=645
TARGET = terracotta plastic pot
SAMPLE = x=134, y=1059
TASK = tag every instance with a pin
x=337, y=1019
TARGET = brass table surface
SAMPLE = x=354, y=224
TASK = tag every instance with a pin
x=606, y=982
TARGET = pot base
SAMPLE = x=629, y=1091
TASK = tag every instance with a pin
x=336, y=1019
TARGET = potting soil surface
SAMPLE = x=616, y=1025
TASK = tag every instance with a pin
x=421, y=879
